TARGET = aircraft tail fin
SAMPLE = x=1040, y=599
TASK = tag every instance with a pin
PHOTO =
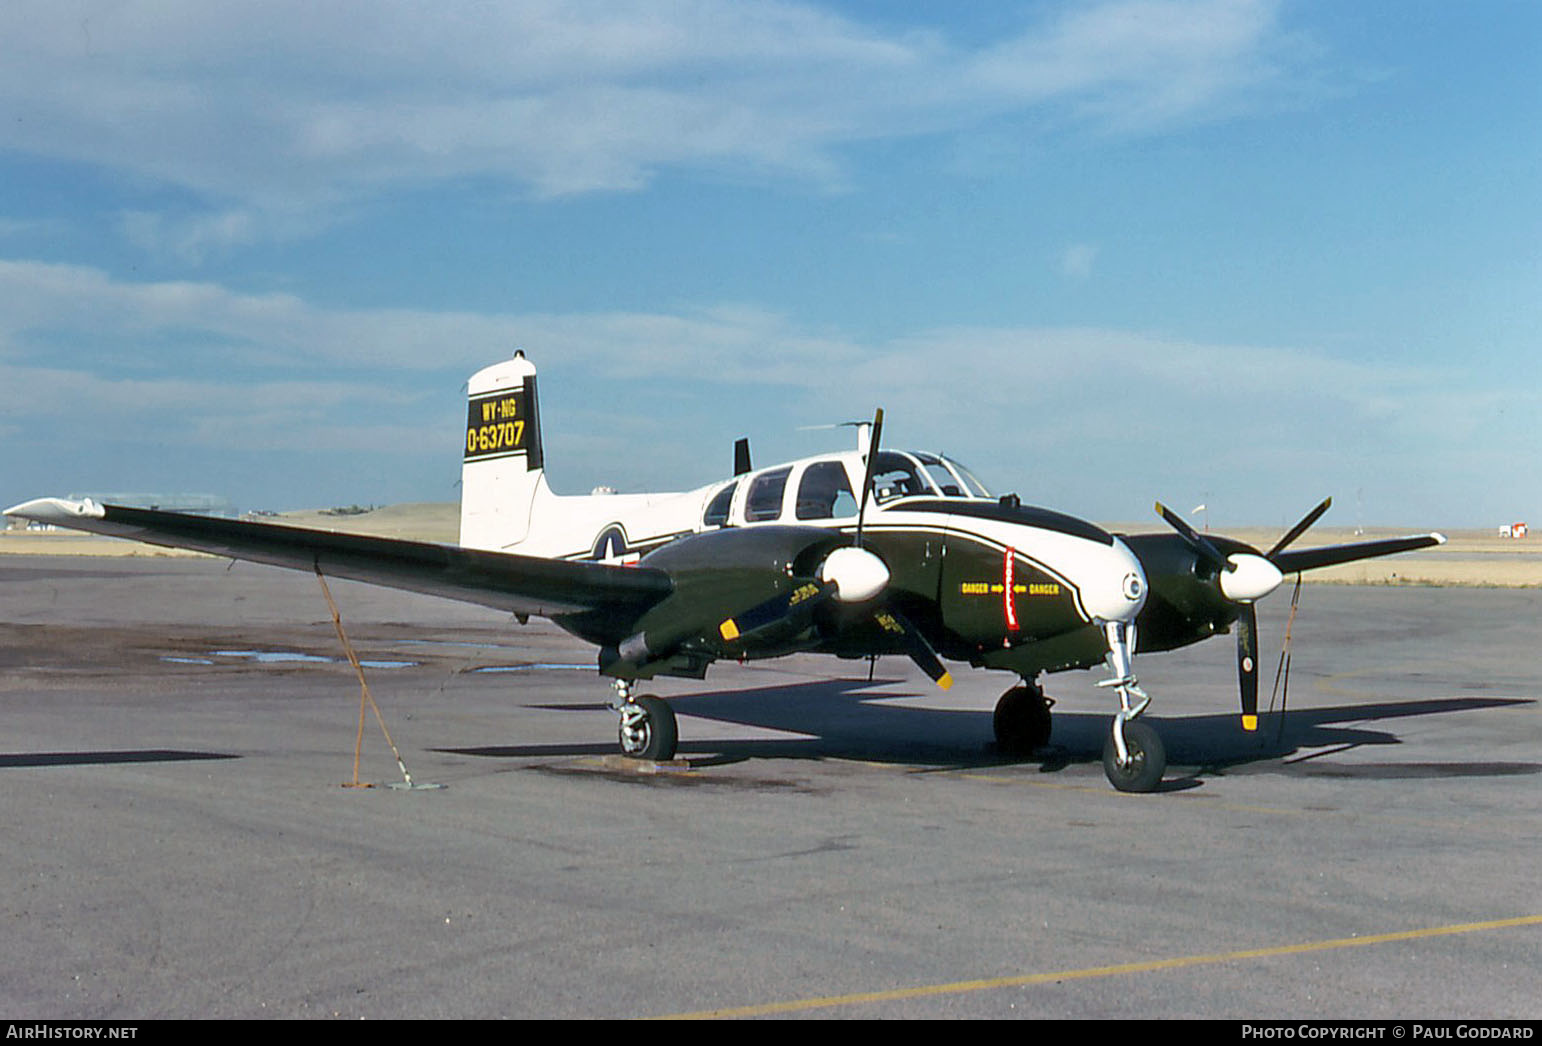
x=503, y=470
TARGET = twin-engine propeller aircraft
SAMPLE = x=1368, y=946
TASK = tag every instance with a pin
x=857, y=553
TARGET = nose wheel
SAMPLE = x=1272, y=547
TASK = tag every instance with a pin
x=1144, y=762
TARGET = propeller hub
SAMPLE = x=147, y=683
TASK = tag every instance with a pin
x=1250, y=577
x=856, y=573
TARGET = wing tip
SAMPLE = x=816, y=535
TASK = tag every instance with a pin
x=56, y=510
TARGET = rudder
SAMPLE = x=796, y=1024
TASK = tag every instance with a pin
x=503, y=466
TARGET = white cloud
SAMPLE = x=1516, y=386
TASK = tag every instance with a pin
x=287, y=103
x=193, y=237
x=1123, y=415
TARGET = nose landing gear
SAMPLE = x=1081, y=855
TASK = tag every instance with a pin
x=1133, y=757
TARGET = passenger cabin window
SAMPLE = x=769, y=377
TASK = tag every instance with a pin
x=895, y=476
x=824, y=492
x=717, y=509
x=764, y=501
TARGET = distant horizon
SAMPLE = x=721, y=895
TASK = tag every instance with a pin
x=170, y=498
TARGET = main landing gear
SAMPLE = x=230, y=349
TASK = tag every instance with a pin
x=1022, y=720
x=1133, y=757
x=648, y=727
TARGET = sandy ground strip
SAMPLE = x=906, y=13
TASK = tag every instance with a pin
x=1475, y=558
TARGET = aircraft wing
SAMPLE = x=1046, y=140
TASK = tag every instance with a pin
x=1332, y=555
x=502, y=580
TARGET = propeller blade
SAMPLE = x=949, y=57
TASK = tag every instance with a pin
x=1247, y=664
x=916, y=646
x=1300, y=528
x=867, y=478
x=1332, y=555
x=1195, y=540
x=801, y=599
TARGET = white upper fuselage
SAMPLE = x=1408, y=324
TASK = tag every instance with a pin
x=909, y=489
x=815, y=491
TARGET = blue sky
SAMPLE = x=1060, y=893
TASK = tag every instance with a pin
x=1231, y=251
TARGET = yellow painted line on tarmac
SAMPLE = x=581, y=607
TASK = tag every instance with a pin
x=961, y=987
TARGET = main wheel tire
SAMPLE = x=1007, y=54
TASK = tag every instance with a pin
x=655, y=735
x=1148, y=759
x=1022, y=721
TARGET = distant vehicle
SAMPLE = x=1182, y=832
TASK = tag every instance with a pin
x=1513, y=530
x=854, y=553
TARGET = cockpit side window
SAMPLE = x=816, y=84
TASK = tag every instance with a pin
x=824, y=492
x=717, y=509
x=764, y=500
x=895, y=476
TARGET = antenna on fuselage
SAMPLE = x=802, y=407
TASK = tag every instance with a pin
x=742, y=456
x=864, y=431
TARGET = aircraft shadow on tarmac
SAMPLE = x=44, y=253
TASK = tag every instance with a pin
x=133, y=755
x=849, y=719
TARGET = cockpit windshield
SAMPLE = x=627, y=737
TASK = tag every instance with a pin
x=951, y=478
x=895, y=475
x=899, y=475
x=971, y=483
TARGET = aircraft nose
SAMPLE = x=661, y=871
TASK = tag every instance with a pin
x=1118, y=592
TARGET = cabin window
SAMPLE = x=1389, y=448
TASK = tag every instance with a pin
x=764, y=501
x=824, y=492
x=717, y=509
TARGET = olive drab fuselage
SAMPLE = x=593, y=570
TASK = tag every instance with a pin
x=988, y=582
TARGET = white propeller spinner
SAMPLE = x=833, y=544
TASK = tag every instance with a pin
x=1251, y=578
x=857, y=574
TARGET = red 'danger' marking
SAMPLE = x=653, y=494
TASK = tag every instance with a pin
x=1007, y=567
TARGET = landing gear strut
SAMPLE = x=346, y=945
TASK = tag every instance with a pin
x=1133, y=757
x=1022, y=721
x=648, y=727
